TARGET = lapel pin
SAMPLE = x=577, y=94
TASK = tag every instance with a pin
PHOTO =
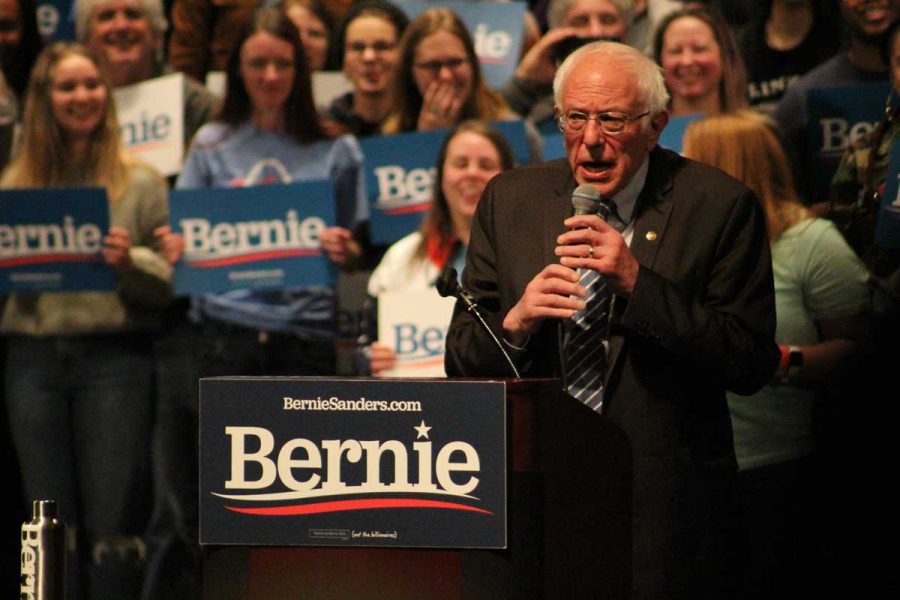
x=651, y=236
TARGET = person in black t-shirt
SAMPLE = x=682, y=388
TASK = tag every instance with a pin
x=787, y=39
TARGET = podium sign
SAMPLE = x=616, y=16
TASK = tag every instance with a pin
x=337, y=462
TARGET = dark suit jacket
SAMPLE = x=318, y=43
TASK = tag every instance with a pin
x=701, y=320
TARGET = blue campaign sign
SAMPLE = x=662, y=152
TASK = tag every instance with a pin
x=514, y=132
x=838, y=117
x=56, y=19
x=887, y=227
x=50, y=240
x=553, y=146
x=399, y=177
x=672, y=137
x=496, y=29
x=400, y=171
x=261, y=237
x=330, y=462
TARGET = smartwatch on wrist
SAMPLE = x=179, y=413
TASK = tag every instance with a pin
x=794, y=360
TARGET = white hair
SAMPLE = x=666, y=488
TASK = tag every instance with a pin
x=152, y=9
x=650, y=83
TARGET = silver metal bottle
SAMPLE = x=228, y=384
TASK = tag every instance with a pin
x=43, y=557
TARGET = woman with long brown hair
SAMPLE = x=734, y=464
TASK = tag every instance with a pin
x=270, y=132
x=701, y=63
x=79, y=370
x=472, y=153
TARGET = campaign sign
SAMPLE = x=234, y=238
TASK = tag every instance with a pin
x=261, y=237
x=554, y=146
x=50, y=240
x=55, y=19
x=295, y=461
x=496, y=29
x=837, y=118
x=151, y=121
x=672, y=136
x=887, y=227
x=514, y=132
x=400, y=175
x=415, y=325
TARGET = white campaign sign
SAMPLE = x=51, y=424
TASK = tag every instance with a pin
x=415, y=325
x=151, y=121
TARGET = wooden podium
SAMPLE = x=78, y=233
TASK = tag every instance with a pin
x=569, y=527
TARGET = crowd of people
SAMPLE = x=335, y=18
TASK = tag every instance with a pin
x=100, y=388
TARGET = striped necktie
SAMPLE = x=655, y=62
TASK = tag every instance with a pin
x=586, y=350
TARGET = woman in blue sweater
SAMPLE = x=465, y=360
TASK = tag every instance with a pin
x=269, y=132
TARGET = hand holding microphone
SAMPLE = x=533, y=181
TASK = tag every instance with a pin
x=592, y=243
x=555, y=293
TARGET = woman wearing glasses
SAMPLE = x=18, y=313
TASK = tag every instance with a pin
x=369, y=36
x=439, y=80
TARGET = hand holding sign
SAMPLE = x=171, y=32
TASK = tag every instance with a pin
x=383, y=358
x=171, y=245
x=339, y=245
x=116, y=246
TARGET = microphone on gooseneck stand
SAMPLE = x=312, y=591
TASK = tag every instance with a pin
x=447, y=285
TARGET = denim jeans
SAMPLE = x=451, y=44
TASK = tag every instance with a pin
x=173, y=550
x=185, y=352
x=80, y=412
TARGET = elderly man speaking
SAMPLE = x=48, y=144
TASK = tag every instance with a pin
x=647, y=316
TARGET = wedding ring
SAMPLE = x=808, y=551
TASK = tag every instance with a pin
x=591, y=251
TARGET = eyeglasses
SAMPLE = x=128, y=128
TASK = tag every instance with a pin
x=610, y=123
x=377, y=47
x=435, y=66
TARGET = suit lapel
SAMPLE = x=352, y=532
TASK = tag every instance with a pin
x=556, y=210
x=651, y=219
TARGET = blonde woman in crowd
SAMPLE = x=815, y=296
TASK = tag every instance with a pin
x=79, y=370
x=821, y=300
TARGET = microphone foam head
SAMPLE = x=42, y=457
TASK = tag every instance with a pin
x=585, y=199
x=447, y=283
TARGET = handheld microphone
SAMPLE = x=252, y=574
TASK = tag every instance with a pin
x=587, y=201
x=447, y=285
